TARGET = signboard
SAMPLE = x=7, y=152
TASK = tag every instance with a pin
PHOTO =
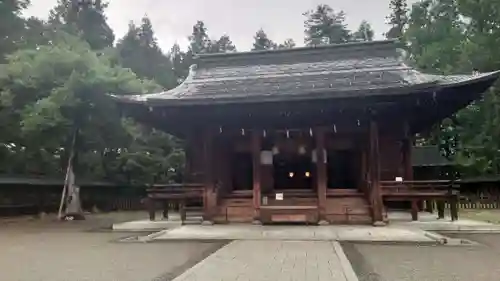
x=279, y=196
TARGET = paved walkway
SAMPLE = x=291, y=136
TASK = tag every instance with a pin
x=429, y=222
x=274, y=261
x=297, y=233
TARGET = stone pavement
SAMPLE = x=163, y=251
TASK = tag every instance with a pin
x=297, y=233
x=274, y=261
x=174, y=220
x=429, y=222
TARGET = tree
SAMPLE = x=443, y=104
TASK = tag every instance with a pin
x=364, y=32
x=86, y=19
x=434, y=33
x=57, y=93
x=11, y=25
x=199, y=42
x=447, y=37
x=324, y=26
x=223, y=45
x=139, y=51
x=397, y=18
x=262, y=42
x=287, y=44
x=179, y=62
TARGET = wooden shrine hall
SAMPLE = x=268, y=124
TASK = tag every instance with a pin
x=317, y=134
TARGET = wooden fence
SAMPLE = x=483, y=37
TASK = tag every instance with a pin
x=32, y=197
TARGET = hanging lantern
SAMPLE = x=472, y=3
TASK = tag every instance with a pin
x=264, y=133
x=311, y=132
x=334, y=128
x=242, y=132
x=287, y=134
x=359, y=123
x=220, y=130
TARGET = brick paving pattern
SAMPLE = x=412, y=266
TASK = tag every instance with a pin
x=270, y=260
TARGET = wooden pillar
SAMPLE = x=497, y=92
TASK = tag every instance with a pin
x=414, y=210
x=321, y=173
x=150, y=206
x=256, y=173
x=189, y=153
x=406, y=151
x=375, y=192
x=209, y=198
x=440, y=208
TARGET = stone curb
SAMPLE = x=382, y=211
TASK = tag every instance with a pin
x=439, y=238
x=433, y=241
x=347, y=269
x=477, y=231
x=151, y=237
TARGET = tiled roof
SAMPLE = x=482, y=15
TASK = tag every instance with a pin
x=423, y=156
x=344, y=70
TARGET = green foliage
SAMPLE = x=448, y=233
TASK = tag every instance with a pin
x=180, y=63
x=139, y=51
x=84, y=18
x=459, y=36
x=287, y=44
x=11, y=25
x=364, y=32
x=54, y=89
x=397, y=19
x=262, y=42
x=222, y=45
x=324, y=26
x=199, y=40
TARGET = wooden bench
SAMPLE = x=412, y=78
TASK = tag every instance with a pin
x=418, y=191
x=179, y=194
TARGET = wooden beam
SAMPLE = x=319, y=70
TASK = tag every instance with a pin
x=256, y=144
x=321, y=173
x=375, y=192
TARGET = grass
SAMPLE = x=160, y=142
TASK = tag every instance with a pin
x=491, y=216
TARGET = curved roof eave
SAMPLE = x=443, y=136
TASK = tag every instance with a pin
x=171, y=97
x=309, y=95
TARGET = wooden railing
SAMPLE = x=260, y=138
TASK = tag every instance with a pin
x=168, y=194
x=441, y=191
x=424, y=186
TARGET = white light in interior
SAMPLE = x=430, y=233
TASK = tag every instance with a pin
x=302, y=150
x=291, y=174
x=308, y=174
x=275, y=150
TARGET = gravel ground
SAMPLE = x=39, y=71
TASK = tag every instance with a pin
x=427, y=263
x=33, y=250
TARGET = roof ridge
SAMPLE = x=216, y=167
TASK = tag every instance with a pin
x=348, y=45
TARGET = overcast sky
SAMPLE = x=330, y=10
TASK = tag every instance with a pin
x=240, y=19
